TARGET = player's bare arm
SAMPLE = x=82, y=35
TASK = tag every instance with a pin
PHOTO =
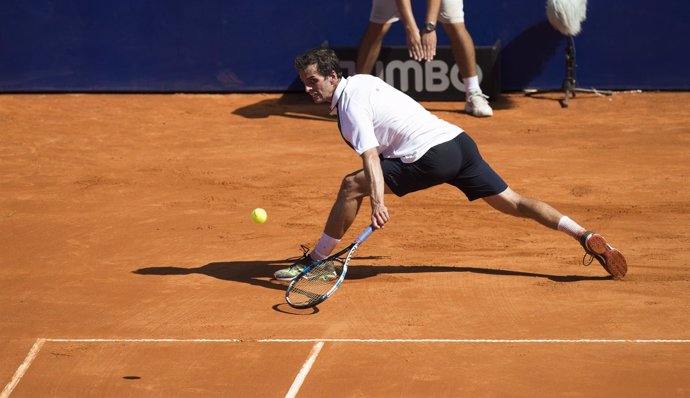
x=377, y=187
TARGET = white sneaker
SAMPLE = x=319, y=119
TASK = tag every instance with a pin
x=476, y=104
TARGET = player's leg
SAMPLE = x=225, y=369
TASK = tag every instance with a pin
x=512, y=203
x=479, y=181
x=353, y=189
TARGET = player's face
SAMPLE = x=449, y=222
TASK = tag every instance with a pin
x=321, y=88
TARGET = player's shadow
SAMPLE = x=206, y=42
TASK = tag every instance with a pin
x=291, y=105
x=259, y=273
x=367, y=271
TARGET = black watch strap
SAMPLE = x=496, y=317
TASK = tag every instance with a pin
x=429, y=27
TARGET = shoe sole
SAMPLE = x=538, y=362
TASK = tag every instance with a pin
x=472, y=112
x=284, y=279
x=610, y=258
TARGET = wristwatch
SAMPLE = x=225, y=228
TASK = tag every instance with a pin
x=429, y=27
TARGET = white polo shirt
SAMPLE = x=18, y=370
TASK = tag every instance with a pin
x=373, y=114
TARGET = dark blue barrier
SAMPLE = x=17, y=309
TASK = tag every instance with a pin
x=242, y=46
x=436, y=80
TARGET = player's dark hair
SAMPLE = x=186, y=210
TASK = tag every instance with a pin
x=323, y=57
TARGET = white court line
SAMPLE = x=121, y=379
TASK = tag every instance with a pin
x=22, y=368
x=36, y=348
x=478, y=341
x=294, y=389
x=148, y=340
x=498, y=341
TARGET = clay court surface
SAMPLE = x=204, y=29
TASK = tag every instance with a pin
x=131, y=267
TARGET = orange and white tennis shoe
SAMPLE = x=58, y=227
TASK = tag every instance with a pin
x=608, y=256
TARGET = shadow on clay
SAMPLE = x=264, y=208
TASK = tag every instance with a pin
x=259, y=273
x=290, y=105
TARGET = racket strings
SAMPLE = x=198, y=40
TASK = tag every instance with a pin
x=316, y=283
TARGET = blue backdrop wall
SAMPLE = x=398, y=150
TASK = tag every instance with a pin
x=242, y=45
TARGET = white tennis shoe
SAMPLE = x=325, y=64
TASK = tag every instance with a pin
x=291, y=272
x=476, y=104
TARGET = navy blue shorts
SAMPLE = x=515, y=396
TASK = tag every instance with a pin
x=456, y=162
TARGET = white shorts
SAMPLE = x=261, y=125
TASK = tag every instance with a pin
x=386, y=11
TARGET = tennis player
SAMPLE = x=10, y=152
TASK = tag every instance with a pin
x=404, y=148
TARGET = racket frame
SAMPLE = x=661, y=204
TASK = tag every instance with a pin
x=350, y=250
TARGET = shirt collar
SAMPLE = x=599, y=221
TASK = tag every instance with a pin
x=336, y=95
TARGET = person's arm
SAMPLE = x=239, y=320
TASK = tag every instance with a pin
x=372, y=170
x=429, y=38
x=414, y=39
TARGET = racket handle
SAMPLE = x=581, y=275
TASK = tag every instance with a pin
x=364, y=235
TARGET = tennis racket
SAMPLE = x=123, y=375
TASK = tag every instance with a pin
x=320, y=280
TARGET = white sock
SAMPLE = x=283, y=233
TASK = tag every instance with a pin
x=471, y=83
x=570, y=227
x=324, y=247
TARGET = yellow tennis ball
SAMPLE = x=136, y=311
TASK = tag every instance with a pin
x=259, y=215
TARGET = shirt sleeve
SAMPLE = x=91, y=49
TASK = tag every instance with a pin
x=357, y=127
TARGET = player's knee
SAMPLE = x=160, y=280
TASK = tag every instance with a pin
x=351, y=187
x=507, y=202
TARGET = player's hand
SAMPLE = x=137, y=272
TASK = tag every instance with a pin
x=379, y=216
x=429, y=45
